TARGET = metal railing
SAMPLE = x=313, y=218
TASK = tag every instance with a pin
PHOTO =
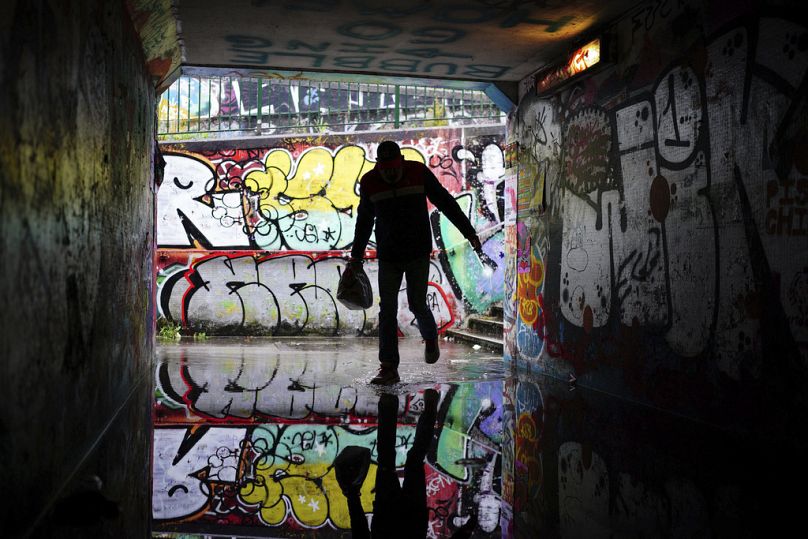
x=212, y=107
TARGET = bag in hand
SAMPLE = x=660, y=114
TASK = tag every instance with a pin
x=354, y=290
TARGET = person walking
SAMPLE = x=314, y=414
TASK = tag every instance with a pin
x=393, y=196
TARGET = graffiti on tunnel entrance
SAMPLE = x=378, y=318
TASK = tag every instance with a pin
x=249, y=240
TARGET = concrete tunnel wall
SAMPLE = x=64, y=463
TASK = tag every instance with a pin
x=660, y=255
x=252, y=234
x=76, y=250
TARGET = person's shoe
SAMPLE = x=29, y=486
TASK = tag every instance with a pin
x=431, y=350
x=351, y=468
x=386, y=376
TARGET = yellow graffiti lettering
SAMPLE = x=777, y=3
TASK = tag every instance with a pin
x=308, y=493
x=313, y=172
x=268, y=184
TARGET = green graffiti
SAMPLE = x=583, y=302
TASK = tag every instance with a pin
x=481, y=285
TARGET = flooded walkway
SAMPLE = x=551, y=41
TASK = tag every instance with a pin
x=249, y=437
x=246, y=434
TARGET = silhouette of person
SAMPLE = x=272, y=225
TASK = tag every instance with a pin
x=399, y=509
x=393, y=196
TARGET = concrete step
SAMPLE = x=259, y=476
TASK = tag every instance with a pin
x=486, y=341
x=495, y=311
x=485, y=325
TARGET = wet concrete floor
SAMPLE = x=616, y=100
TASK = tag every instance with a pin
x=246, y=433
x=248, y=436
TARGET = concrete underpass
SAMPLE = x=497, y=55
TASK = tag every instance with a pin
x=626, y=357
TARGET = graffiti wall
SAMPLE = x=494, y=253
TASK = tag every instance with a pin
x=661, y=248
x=248, y=443
x=510, y=299
x=254, y=239
x=663, y=203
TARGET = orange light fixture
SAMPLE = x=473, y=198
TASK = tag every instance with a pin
x=578, y=62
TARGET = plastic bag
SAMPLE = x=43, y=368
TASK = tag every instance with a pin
x=354, y=290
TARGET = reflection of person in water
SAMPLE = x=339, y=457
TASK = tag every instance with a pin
x=399, y=509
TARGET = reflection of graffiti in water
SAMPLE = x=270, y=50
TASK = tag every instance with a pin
x=281, y=474
x=468, y=450
x=290, y=473
x=252, y=391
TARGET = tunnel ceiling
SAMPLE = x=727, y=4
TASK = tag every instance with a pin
x=482, y=40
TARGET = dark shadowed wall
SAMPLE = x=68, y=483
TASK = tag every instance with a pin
x=76, y=248
x=661, y=256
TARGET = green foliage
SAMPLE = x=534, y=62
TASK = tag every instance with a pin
x=200, y=336
x=167, y=330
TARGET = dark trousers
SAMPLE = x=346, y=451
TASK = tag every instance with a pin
x=400, y=509
x=390, y=274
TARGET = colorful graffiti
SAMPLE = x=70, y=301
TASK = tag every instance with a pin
x=251, y=443
x=244, y=388
x=509, y=295
x=661, y=206
x=279, y=294
x=290, y=211
x=478, y=280
x=289, y=470
x=156, y=25
x=659, y=250
x=529, y=284
x=304, y=197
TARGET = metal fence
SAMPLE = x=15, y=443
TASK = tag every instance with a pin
x=212, y=107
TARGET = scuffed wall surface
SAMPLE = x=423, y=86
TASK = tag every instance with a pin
x=662, y=248
x=76, y=254
x=253, y=240
x=156, y=24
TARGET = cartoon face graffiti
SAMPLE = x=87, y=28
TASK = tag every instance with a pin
x=189, y=208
